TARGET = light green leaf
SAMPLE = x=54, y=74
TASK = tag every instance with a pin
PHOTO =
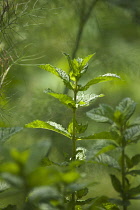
x=58, y=72
x=104, y=114
x=99, y=79
x=86, y=100
x=65, y=99
x=80, y=128
x=7, y=132
x=49, y=125
x=77, y=66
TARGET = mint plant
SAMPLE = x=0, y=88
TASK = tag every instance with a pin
x=78, y=68
x=124, y=133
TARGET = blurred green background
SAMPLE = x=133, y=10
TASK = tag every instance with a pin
x=38, y=32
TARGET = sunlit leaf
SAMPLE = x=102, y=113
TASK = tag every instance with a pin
x=86, y=99
x=65, y=99
x=99, y=79
x=79, y=128
x=104, y=114
x=49, y=125
x=58, y=72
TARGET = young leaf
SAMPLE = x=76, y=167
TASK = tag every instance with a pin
x=86, y=100
x=58, y=72
x=116, y=183
x=126, y=108
x=99, y=79
x=49, y=125
x=65, y=99
x=79, y=127
x=104, y=114
x=77, y=66
x=6, y=133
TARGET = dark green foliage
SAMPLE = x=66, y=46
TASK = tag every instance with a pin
x=123, y=133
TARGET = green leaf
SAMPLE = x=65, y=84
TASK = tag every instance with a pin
x=80, y=128
x=116, y=183
x=13, y=180
x=104, y=114
x=65, y=99
x=10, y=207
x=58, y=72
x=49, y=125
x=36, y=156
x=132, y=134
x=44, y=194
x=7, y=132
x=134, y=172
x=135, y=159
x=82, y=192
x=99, y=79
x=124, y=111
x=133, y=192
x=129, y=162
x=86, y=100
x=107, y=160
x=77, y=66
x=102, y=135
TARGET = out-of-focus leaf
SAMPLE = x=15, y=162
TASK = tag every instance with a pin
x=134, y=172
x=132, y=134
x=13, y=180
x=65, y=99
x=37, y=153
x=49, y=125
x=124, y=110
x=102, y=135
x=86, y=100
x=107, y=160
x=99, y=79
x=6, y=133
x=44, y=194
x=104, y=114
x=82, y=192
x=135, y=159
x=134, y=192
x=116, y=183
x=70, y=176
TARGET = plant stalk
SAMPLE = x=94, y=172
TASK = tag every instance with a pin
x=123, y=172
x=74, y=141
